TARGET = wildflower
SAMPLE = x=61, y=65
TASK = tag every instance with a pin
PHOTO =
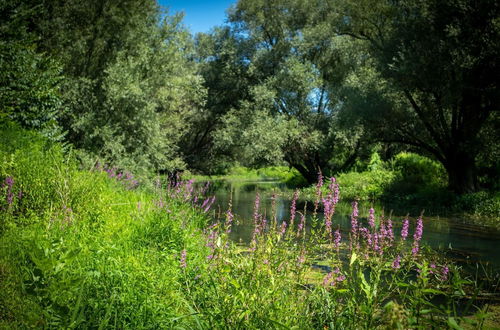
x=330, y=280
x=396, y=263
x=337, y=239
x=445, y=272
x=9, y=182
x=300, y=227
x=376, y=245
x=354, y=218
x=318, y=191
x=327, y=278
x=419, y=230
x=417, y=236
x=283, y=227
x=433, y=268
x=209, y=204
x=327, y=207
x=183, y=259
x=371, y=218
x=366, y=234
x=389, y=230
x=293, y=207
x=229, y=220
x=404, y=230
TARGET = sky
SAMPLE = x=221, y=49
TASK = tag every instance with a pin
x=199, y=15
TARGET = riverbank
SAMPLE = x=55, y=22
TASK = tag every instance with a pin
x=412, y=186
x=98, y=249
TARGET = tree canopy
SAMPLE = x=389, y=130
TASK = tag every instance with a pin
x=313, y=84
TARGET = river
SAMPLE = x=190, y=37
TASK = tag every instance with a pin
x=467, y=243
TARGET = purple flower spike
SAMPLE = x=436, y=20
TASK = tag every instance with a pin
x=371, y=218
x=419, y=230
x=293, y=207
x=229, y=220
x=354, y=218
x=396, y=263
x=445, y=272
x=9, y=181
x=404, y=230
x=183, y=259
x=337, y=239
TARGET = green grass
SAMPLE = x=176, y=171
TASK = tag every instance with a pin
x=287, y=175
x=79, y=249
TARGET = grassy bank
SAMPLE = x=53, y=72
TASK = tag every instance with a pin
x=410, y=183
x=93, y=249
x=287, y=175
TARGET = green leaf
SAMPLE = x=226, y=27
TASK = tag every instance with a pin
x=453, y=324
x=354, y=256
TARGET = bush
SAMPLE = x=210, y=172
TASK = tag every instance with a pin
x=483, y=204
x=368, y=185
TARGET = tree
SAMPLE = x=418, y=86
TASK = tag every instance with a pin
x=130, y=88
x=29, y=80
x=296, y=71
x=439, y=61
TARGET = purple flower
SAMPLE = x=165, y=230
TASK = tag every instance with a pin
x=337, y=239
x=419, y=230
x=354, y=218
x=183, y=259
x=366, y=234
x=9, y=181
x=376, y=245
x=415, y=248
x=300, y=227
x=327, y=278
x=396, y=263
x=417, y=236
x=283, y=228
x=330, y=280
x=371, y=218
x=319, y=185
x=445, y=272
x=229, y=220
x=389, y=230
x=404, y=230
x=293, y=207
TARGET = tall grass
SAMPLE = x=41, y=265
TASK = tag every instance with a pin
x=92, y=249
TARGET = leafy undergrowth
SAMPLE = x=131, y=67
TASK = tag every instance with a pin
x=88, y=249
x=93, y=249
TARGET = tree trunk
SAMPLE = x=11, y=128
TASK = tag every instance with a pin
x=462, y=173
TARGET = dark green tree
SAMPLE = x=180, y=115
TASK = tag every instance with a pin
x=434, y=75
x=29, y=80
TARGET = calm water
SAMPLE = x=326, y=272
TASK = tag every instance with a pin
x=465, y=242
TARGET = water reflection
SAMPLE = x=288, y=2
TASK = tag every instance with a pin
x=467, y=241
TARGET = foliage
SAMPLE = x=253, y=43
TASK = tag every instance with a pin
x=284, y=174
x=118, y=78
x=29, y=80
x=84, y=249
x=438, y=100
x=81, y=249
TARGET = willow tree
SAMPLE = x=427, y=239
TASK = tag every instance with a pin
x=437, y=68
x=289, y=113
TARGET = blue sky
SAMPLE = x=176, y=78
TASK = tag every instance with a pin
x=199, y=15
